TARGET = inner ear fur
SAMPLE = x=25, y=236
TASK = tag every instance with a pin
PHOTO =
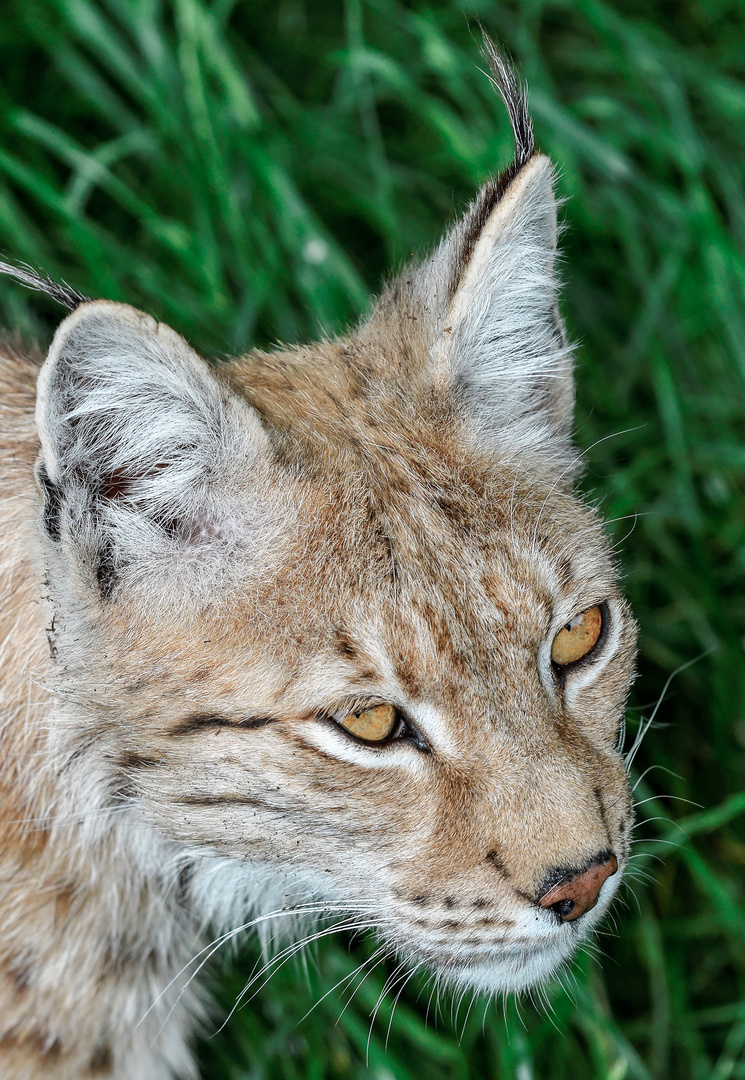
x=129, y=415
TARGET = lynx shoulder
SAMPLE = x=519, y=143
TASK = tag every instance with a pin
x=320, y=630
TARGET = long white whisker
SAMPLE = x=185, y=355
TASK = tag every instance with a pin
x=408, y=976
x=652, y=768
x=218, y=942
x=277, y=962
x=379, y=957
x=657, y=798
x=387, y=985
x=569, y=468
x=644, y=727
x=465, y=1019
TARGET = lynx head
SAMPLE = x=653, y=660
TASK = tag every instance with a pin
x=335, y=614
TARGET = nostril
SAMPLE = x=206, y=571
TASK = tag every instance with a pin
x=570, y=893
x=564, y=909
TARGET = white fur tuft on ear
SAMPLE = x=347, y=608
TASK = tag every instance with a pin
x=140, y=440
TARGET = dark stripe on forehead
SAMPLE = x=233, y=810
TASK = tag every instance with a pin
x=204, y=721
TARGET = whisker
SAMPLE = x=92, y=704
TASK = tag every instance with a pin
x=646, y=725
x=212, y=947
x=465, y=1019
x=408, y=976
x=578, y=457
x=656, y=840
x=657, y=798
x=276, y=963
x=387, y=985
x=379, y=956
x=650, y=769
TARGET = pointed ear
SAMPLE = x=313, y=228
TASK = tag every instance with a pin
x=499, y=343
x=138, y=437
x=478, y=321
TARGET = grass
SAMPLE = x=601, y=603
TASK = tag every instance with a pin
x=248, y=172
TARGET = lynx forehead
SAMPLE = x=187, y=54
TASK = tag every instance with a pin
x=321, y=629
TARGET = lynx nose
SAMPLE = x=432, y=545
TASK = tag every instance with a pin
x=570, y=893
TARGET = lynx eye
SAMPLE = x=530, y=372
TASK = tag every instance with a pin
x=373, y=725
x=577, y=637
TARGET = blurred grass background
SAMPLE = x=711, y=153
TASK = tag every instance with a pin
x=248, y=172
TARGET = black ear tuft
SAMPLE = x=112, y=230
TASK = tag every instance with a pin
x=486, y=302
x=58, y=290
x=514, y=95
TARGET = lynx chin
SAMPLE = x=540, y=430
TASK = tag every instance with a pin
x=322, y=632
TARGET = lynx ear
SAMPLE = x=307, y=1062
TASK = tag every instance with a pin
x=499, y=342
x=483, y=308
x=138, y=438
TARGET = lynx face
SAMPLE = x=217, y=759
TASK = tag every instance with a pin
x=334, y=614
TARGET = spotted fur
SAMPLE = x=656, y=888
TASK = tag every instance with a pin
x=204, y=569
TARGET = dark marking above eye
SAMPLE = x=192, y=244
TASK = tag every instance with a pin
x=132, y=760
x=204, y=721
x=565, y=572
x=365, y=677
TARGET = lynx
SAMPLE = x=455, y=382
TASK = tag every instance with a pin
x=322, y=632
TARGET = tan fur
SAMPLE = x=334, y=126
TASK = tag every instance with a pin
x=170, y=751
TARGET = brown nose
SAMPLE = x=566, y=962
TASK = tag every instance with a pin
x=570, y=893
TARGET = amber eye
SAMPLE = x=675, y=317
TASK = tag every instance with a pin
x=577, y=637
x=373, y=725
